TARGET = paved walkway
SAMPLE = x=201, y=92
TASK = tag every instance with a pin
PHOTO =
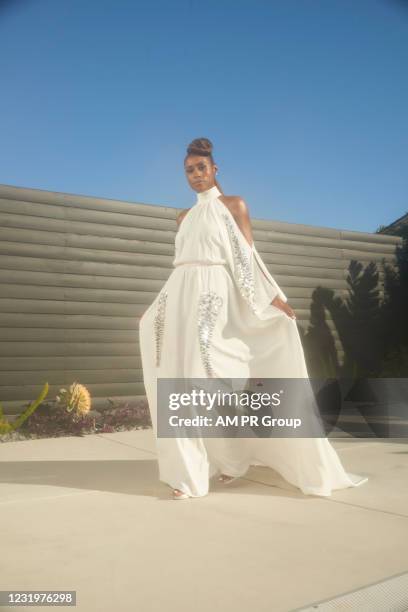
x=88, y=514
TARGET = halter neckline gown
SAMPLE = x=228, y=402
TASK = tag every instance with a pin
x=214, y=318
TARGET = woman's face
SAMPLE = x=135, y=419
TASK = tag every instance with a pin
x=200, y=172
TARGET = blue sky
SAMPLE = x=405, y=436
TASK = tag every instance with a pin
x=305, y=102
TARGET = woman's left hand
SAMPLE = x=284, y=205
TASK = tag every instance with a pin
x=279, y=303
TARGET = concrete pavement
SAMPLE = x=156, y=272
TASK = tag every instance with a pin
x=89, y=514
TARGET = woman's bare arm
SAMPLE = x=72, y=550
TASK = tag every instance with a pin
x=241, y=215
x=181, y=216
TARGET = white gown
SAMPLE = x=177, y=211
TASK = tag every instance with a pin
x=213, y=318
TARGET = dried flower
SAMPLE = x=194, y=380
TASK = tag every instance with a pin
x=77, y=398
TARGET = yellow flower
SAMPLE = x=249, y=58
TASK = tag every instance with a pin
x=76, y=398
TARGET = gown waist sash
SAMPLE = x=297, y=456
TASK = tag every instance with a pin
x=201, y=263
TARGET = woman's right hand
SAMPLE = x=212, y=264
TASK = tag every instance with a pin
x=279, y=303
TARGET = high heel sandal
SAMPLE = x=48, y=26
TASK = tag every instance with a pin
x=226, y=480
x=181, y=495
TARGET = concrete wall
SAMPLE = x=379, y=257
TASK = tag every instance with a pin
x=77, y=272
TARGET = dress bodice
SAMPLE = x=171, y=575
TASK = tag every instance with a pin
x=199, y=238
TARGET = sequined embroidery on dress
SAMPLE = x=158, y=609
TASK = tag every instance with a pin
x=209, y=306
x=245, y=278
x=159, y=324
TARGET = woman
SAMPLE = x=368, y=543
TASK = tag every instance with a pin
x=221, y=314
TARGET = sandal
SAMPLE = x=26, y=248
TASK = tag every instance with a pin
x=225, y=479
x=180, y=495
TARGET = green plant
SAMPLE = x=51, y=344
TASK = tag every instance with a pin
x=6, y=426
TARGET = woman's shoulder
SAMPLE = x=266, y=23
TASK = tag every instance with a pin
x=181, y=215
x=236, y=204
x=240, y=211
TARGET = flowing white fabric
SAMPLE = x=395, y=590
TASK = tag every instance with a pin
x=250, y=338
